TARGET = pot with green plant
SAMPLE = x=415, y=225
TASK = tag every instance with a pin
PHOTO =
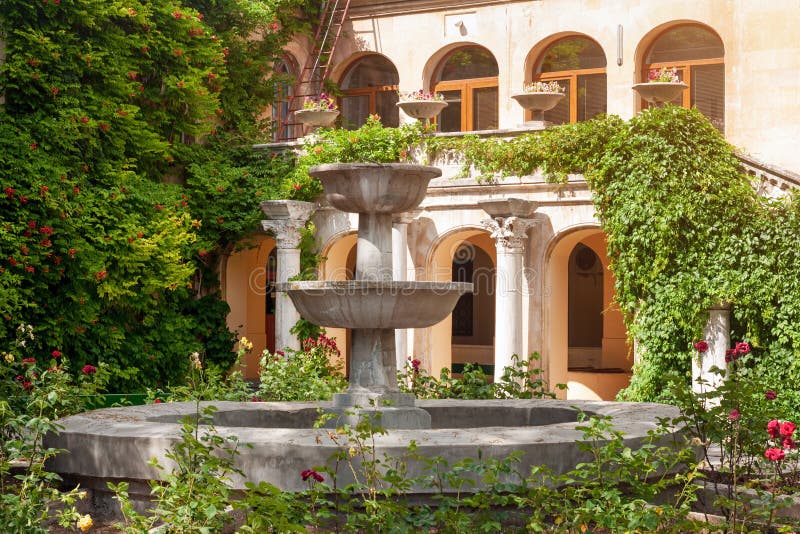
x=663, y=85
x=320, y=111
x=421, y=104
x=539, y=97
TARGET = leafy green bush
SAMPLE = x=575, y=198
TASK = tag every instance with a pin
x=309, y=374
x=520, y=380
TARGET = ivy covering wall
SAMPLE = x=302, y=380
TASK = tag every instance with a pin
x=126, y=173
x=685, y=230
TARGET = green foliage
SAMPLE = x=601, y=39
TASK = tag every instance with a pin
x=310, y=374
x=193, y=495
x=729, y=421
x=101, y=248
x=520, y=380
x=371, y=143
x=34, y=392
x=616, y=487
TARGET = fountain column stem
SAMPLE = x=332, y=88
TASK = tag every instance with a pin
x=286, y=315
x=374, y=249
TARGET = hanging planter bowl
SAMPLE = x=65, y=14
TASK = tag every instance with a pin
x=316, y=117
x=659, y=92
x=422, y=109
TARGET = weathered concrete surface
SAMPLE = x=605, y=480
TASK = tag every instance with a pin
x=374, y=305
x=116, y=443
x=373, y=187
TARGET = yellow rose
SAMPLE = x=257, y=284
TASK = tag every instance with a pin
x=85, y=522
x=9, y=357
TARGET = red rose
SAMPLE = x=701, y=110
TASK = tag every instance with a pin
x=770, y=395
x=743, y=348
x=788, y=443
x=773, y=427
x=787, y=429
x=158, y=401
x=56, y=354
x=734, y=415
x=89, y=369
x=29, y=360
x=310, y=473
x=774, y=454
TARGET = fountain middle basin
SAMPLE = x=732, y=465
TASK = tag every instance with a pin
x=363, y=304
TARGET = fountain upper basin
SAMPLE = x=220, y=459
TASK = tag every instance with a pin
x=367, y=305
x=374, y=187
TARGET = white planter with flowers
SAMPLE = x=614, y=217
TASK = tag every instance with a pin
x=663, y=85
x=539, y=97
x=317, y=112
x=421, y=105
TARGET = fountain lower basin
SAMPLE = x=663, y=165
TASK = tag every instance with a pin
x=115, y=444
x=361, y=304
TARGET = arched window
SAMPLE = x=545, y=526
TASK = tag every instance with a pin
x=283, y=78
x=578, y=64
x=369, y=87
x=467, y=78
x=698, y=55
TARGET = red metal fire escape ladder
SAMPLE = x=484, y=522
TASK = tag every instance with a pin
x=316, y=70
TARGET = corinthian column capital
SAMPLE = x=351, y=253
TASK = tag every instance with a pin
x=285, y=231
x=509, y=233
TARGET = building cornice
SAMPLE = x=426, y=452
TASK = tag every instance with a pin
x=366, y=9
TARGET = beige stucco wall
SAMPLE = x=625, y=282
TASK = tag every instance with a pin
x=762, y=52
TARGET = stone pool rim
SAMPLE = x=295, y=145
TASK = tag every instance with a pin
x=114, y=444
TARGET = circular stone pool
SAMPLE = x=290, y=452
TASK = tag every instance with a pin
x=115, y=444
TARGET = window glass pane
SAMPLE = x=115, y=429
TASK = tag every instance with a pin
x=560, y=113
x=573, y=53
x=385, y=107
x=449, y=120
x=355, y=110
x=466, y=63
x=686, y=42
x=372, y=71
x=484, y=108
x=282, y=79
x=708, y=93
x=591, y=96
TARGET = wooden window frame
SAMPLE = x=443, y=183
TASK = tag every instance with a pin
x=466, y=88
x=572, y=77
x=685, y=67
x=284, y=99
x=372, y=92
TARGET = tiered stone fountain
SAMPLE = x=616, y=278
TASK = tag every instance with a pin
x=116, y=444
x=373, y=305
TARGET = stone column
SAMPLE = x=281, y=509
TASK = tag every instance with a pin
x=717, y=334
x=400, y=274
x=510, y=234
x=286, y=219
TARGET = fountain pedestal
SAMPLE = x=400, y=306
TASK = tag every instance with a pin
x=374, y=305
